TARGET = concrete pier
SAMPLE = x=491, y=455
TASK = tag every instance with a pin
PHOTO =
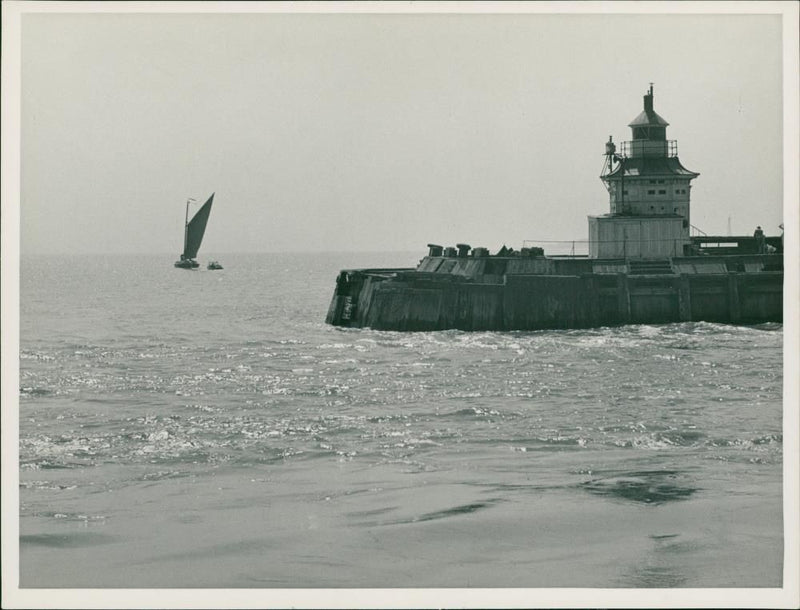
x=463, y=296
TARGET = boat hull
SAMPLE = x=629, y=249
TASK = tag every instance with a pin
x=187, y=264
x=497, y=294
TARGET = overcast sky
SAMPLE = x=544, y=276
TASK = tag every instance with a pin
x=368, y=132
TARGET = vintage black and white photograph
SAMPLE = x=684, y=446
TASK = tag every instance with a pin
x=400, y=304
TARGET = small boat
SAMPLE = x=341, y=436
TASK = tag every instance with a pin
x=213, y=265
x=193, y=234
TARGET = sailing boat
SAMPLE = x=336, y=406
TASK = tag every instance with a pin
x=193, y=234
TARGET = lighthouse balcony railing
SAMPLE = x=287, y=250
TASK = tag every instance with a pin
x=648, y=148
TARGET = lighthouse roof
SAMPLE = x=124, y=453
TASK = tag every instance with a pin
x=651, y=166
x=648, y=118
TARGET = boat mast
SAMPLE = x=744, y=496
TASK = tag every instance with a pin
x=186, y=225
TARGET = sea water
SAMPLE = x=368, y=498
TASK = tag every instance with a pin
x=207, y=429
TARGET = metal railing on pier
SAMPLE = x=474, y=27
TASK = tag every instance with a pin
x=654, y=247
x=620, y=247
x=575, y=247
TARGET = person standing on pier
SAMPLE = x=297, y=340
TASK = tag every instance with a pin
x=759, y=235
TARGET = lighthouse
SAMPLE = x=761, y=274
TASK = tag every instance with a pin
x=649, y=192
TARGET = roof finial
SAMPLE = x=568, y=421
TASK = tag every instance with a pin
x=651, y=88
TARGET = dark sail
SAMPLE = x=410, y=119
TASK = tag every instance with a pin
x=196, y=229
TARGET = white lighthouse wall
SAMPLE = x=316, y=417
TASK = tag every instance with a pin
x=636, y=236
x=650, y=197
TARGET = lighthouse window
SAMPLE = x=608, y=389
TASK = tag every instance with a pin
x=651, y=192
x=662, y=192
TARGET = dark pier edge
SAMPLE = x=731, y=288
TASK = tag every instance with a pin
x=551, y=293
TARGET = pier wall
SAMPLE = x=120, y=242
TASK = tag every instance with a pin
x=414, y=301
